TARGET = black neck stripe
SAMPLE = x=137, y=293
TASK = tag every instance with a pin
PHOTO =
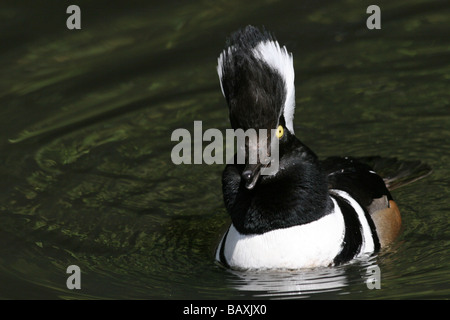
x=353, y=236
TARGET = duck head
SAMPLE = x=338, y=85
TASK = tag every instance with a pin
x=257, y=80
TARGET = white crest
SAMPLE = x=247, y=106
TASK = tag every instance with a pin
x=282, y=61
x=278, y=59
x=220, y=62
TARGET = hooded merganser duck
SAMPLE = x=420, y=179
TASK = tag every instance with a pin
x=309, y=213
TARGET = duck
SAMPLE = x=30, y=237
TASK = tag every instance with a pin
x=310, y=212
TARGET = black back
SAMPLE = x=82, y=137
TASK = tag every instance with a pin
x=356, y=178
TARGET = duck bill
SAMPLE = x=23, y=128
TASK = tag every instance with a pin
x=257, y=158
x=251, y=175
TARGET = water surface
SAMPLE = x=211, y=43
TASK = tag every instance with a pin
x=86, y=118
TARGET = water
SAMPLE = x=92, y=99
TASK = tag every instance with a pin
x=86, y=120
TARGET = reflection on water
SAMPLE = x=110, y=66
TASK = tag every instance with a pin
x=288, y=284
x=86, y=119
x=273, y=284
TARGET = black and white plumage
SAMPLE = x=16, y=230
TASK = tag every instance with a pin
x=310, y=213
x=255, y=71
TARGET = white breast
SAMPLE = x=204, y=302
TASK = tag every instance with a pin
x=305, y=246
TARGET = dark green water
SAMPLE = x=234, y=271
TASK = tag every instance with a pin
x=86, y=118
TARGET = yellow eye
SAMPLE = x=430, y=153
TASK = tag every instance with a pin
x=280, y=132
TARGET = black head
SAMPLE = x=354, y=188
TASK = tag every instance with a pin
x=257, y=80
